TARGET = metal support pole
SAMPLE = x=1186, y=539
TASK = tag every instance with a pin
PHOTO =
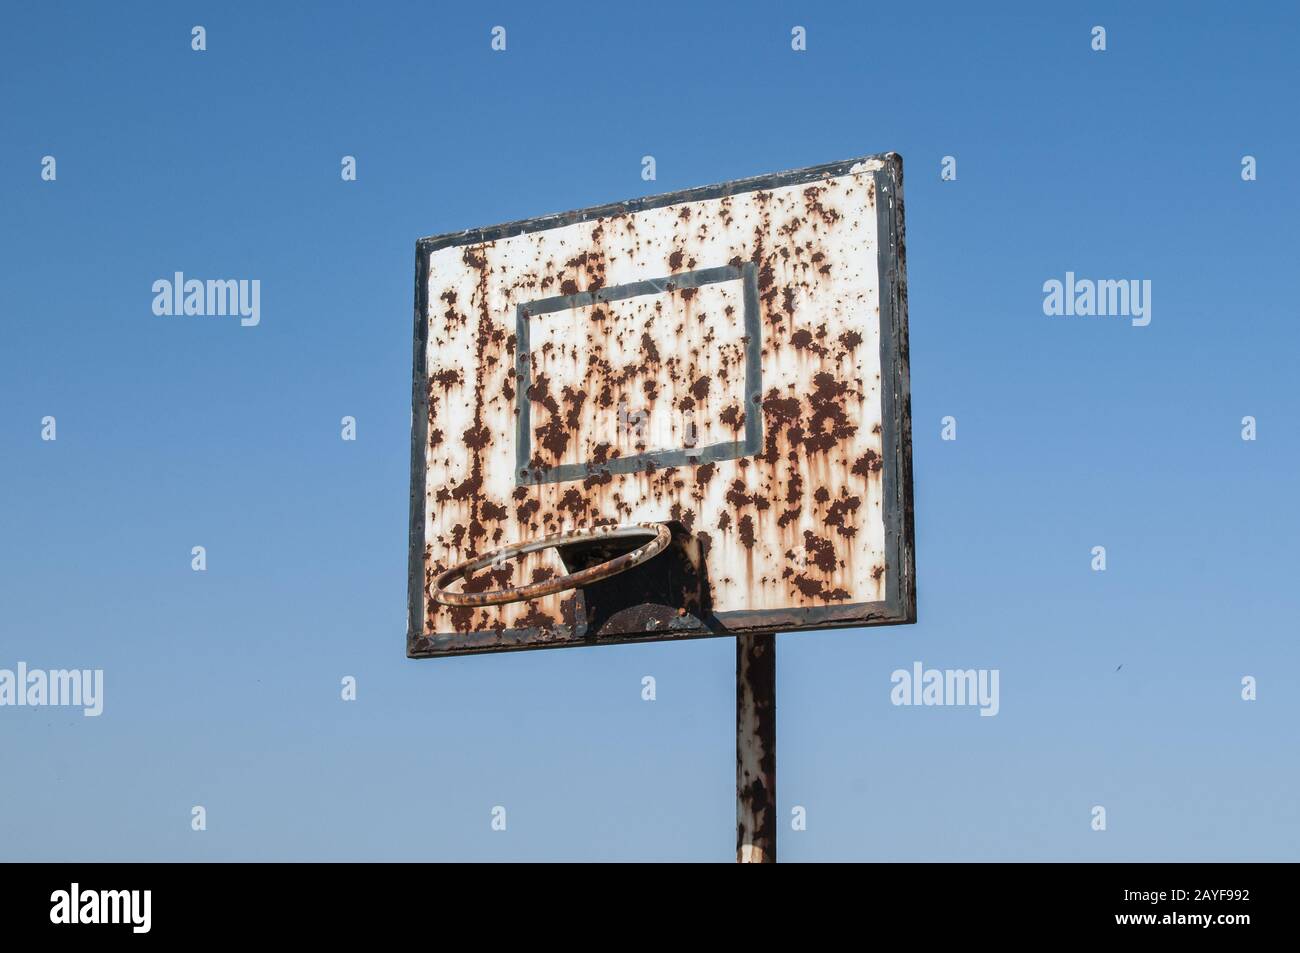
x=756, y=748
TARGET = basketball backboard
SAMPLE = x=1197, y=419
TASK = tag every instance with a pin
x=728, y=361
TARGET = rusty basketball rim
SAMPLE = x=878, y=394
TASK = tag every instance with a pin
x=657, y=533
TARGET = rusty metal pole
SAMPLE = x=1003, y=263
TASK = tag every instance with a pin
x=756, y=748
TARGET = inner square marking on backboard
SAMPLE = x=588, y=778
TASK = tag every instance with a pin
x=726, y=450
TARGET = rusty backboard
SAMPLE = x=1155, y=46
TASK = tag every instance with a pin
x=730, y=360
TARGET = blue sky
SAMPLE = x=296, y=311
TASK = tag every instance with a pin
x=222, y=688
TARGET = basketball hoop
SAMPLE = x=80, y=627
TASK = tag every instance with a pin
x=657, y=533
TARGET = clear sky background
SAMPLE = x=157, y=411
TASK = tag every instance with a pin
x=222, y=688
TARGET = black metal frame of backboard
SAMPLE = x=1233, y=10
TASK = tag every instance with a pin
x=899, y=604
